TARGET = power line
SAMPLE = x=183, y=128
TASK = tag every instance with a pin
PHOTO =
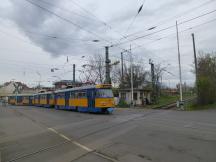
x=56, y=37
x=176, y=16
x=90, y=13
x=169, y=36
x=134, y=18
x=66, y=20
x=65, y=9
x=86, y=17
x=169, y=27
x=93, y=15
x=175, y=33
x=103, y=22
x=24, y=41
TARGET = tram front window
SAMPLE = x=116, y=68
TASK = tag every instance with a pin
x=103, y=93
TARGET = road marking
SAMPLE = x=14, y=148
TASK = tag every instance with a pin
x=105, y=157
x=53, y=130
x=68, y=139
x=82, y=146
x=63, y=136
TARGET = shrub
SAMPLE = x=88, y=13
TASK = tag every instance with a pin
x=206, y=83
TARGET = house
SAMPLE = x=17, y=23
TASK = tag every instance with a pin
x=142, y=96
x=12, y=87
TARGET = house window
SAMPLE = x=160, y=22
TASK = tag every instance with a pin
x=135, y=96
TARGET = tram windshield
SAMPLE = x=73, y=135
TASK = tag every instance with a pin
x=104, y=93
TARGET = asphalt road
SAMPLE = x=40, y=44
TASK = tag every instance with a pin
x=30, y=134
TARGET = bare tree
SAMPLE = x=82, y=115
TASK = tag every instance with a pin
x=116, y=75
x=94, y=70
x=159, y=70
x=140, y=76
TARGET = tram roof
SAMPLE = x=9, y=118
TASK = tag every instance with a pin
x=14, y=95
x=76, y=88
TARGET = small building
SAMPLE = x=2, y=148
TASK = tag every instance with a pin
x=12, y=87
x=142, y=96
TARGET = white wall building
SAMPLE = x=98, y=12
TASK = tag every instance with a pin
x=10, y=88
x=141, y=96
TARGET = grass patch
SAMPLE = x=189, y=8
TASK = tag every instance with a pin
x=122, y=104
x=194, y=106
x=164, y=100
x=169, y=99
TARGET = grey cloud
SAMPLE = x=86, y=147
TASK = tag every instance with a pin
x=34, y=21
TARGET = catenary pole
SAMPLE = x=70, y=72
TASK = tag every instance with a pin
x=107, y=62
x=74, y=73
x=132, y=89
x=122, y=66
x=195, y=62
x=179, y=62
x=195, y=57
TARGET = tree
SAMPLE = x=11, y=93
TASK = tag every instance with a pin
x=206, y=86
x=141, y=77
x=95, y=69
x=159, y=70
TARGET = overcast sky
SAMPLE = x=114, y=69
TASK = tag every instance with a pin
x=37, y=35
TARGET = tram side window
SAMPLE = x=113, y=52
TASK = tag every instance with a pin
x=82, y=95
x=25, y=98
x=76, y=95
x=43, y=96
x=61, y=96
x=51, y=96
x=72, y=95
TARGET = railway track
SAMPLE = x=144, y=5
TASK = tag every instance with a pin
x=173, y=105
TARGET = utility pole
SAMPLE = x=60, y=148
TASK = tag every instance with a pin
x=74, y=75
x=132, y=90
x=195, y=62
x=122, y=66
x=179, y=61
x=195, y=57
x=107, y=62
x=153, y=80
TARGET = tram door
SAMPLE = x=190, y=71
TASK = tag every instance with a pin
x=91, y=98
x=30, y=100
x=67, y=97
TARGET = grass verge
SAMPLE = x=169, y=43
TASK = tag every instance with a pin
x=194, y=106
